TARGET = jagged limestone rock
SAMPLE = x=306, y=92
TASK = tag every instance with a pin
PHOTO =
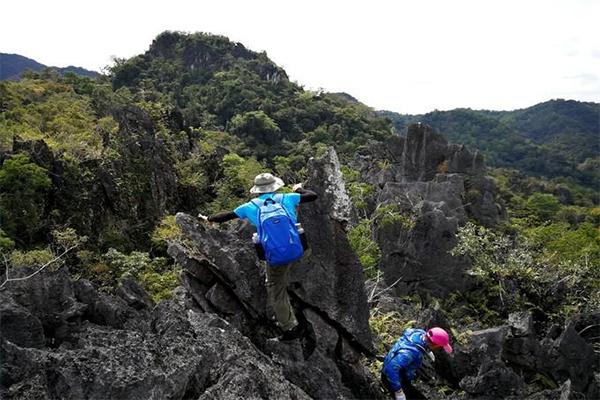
x=331, y=277
x=170, y=352
x=437, y=186
x=326, y=178
x=19, y=326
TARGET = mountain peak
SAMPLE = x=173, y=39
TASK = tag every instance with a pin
x=198, y=56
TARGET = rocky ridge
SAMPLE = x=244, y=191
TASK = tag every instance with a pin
x=61, y=338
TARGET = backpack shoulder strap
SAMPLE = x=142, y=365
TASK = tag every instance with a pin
x=256, y=202
x=401, y=347
x=279, y=199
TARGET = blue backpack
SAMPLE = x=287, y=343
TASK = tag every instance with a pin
x=277, y=232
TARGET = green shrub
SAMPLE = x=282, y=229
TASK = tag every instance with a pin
x=560, y=244
x=31, y=258
x=191, y=173
x=543, y=205
x=6, y=243
x=360, y=193
x=238, y=177
x=389, y=214
x=156, y=275
x=367, y=250
x=520, y=273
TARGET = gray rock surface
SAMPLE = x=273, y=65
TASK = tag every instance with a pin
x=437, y=186
x=178, y=353
x=497, y=361
x=18, y=325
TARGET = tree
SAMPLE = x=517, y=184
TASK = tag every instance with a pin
x=23, y=187
x=238, y=178
x=257, y=126
x=543, y=205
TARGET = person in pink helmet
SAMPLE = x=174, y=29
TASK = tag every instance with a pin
x=405, y=358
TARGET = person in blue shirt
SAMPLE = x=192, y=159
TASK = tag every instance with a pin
x=265, y=186
x=405, y=358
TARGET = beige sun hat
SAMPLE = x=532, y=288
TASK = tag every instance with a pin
x=266, y=183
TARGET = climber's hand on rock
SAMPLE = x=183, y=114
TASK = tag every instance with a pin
x=399, y=395
x=203, y=217
x=296, y=187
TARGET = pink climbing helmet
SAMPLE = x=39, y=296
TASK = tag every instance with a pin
x=440, y=337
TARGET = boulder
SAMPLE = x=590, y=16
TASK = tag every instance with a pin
x=129, y=309
x=494, y=379
x=223, y=256
x=18, y=325
x=331, y=271
x=568, y=357
x=521, y=324
x=417, y=258
x=50, y=298
x=513, y=355
x=134, y=295
x=483, y=345
x=521, y=347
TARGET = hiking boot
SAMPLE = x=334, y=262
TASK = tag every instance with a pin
x=292, y=334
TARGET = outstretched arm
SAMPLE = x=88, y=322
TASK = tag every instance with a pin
x=222, y=216
x=306, y=195
x=219, y=217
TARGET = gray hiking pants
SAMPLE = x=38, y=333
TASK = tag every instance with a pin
x=277, y=281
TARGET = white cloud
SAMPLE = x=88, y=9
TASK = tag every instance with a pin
x=404, y=56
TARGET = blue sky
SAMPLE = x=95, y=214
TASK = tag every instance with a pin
x=404, y=56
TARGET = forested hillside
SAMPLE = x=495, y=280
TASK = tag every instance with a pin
x=558, y=139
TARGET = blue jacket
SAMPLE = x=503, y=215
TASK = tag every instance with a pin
x=405, y=357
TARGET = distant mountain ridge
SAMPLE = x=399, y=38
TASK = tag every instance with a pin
x=556, y=138
x=211, y=80
x=13, y=65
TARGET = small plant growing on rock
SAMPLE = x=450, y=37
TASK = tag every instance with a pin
x=389, y=214
x=367, y=250
x=166, y=231
x=156, y=275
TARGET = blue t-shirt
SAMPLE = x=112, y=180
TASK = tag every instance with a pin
x=249, y=211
